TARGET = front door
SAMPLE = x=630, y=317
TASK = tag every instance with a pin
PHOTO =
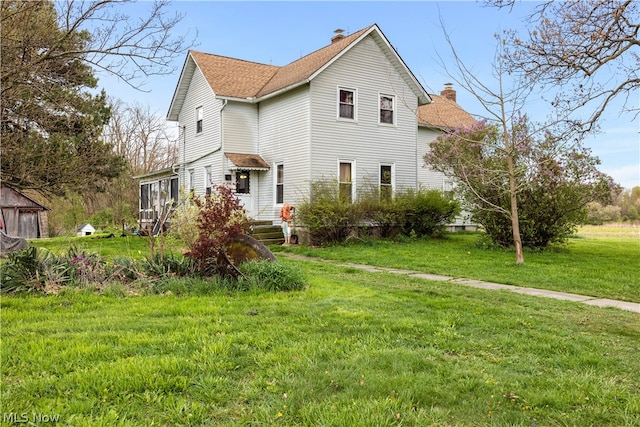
x=244, y=190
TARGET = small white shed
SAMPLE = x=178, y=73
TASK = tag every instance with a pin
x=86, y=230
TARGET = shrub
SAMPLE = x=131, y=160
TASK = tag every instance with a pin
x=167, y=265
x=331, y=219
x=85, y=267
x=33, y=269
x=383, y=213
x=220, y=218
x=598, y=214
x=184, y=225
x=426, y=212
x=328, y=217
x=272, y=276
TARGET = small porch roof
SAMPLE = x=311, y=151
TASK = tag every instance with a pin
x=247, y=162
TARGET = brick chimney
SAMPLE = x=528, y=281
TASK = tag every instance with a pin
x=339, y=36
x=448, y=92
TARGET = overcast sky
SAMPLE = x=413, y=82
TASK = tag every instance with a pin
x=280, y=32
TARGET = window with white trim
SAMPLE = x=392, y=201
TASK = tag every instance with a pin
x=346, y=104
x=207, y=180
x=199, y=118
x=345, y=180
x=386, y=181
x=387, y=109
x=192, y=180
x=279, y=183
x=448, y=187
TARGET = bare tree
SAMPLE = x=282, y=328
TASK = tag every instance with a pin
x=122, y=45
x=141, y=137
x=502, y=160
x=588, y=48
x=499, y=107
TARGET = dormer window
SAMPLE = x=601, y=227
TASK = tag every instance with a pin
x=199, y=117
x=346, y=104
x=387, y=108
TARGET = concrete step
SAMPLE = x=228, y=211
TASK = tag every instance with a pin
x=267, y=233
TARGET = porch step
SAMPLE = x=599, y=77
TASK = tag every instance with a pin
x=267, y=233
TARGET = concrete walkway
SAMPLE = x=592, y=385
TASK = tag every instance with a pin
x=600, y=302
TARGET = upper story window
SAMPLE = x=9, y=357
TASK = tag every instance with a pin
x=346, y=104
x=199, y=117
x=387, y=109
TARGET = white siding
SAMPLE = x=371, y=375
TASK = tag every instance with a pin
x=427, y=177
x=284, y=138
x=431, y=179
x=366, y=69
x=198, y=150
x=240, y=128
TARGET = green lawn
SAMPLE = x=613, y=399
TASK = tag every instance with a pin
x=129, y=246
x=354, y=349
x=604, y=267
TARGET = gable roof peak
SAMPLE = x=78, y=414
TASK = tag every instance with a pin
x=240, y=79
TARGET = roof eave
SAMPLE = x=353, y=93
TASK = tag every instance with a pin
x=179, y=94
x=160, y=172
x=282, y=90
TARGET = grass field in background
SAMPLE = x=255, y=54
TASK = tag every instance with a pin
x=354, y=349
x=594, y=263
x=601, y=267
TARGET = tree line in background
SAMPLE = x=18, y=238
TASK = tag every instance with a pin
x=140, y=137
x=625, y=207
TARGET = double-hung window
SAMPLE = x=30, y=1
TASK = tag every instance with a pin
x=346, y=104
x=386, y=182
x=387, y=109
x=192, y=180
x=279, y=183
x=208, y=179
x=346, y=181
x=448, y=187
x=199, y=118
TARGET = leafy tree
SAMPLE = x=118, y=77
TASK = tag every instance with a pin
x=50, y=124
x=629, y=203
x=598, y=214
x=51, y=118
x=589, y=48
x=553, y=182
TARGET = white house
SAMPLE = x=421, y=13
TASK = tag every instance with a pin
x=351, y=111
